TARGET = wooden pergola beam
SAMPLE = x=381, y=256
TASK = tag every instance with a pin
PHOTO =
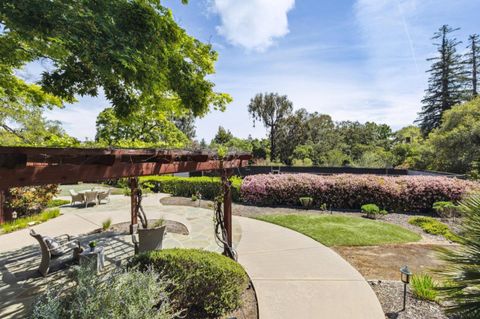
x=71, y=173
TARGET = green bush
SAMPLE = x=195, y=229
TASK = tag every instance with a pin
x=446, y=209
x=31, y=200
x=207, y=284
x=57, y=202
x=208, y=187
x=132, y=294
x=424, y=287
x=372, y=210
x=432, y=226
x=106, y=224
x=23, y=222
x=306, y=201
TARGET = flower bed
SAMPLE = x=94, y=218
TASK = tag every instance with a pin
x=399, y=194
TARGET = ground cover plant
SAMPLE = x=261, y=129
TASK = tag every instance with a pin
x=432, y=226
x=396, y=194
x=23, y=222
x=207, y=284
x=343, y=230
x=120, y=294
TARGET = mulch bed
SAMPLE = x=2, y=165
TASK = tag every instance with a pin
x=390, y=295
x=249, y=308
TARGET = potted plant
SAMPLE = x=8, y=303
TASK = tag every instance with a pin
x=306, y=202
x=151, y=237
x=92, y=245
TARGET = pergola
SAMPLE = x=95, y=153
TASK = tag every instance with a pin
x=30, y=166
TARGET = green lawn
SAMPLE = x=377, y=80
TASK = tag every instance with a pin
x=344, y=230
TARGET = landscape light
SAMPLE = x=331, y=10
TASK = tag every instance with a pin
x=405, y=275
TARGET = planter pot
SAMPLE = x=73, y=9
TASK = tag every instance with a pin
x=372, y=215
x=150, y=239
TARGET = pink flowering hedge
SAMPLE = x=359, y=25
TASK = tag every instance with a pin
x=399, y=194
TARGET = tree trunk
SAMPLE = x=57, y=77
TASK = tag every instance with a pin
x=273, y=153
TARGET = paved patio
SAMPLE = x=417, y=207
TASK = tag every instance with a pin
x=294, y=276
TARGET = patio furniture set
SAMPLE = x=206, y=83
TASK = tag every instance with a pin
x=90, y=196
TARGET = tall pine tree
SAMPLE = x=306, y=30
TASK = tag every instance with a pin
x=472, y=63
x=446, y=81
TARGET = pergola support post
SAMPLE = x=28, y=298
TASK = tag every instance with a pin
x=134, y=205
x=227, y=209
x=5, y=212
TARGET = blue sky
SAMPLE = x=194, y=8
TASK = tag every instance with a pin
x=353, y=59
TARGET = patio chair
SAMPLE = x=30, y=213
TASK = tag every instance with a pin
x=104, y=195
x=90, y=197
x=76, y=197
x=53, y=248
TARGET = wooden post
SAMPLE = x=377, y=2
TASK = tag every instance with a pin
x=227, y=209
x=133, y=183
x=5, y=212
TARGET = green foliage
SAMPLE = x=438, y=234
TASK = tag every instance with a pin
x=57, y=202
x=106, y=224
x=424, y=287
x=223, y=136
x=432, y=226
x=270, y=109
x=144, y=127
x=31, y=199
x=446, y=82
x=446, y=209
x=207, y=284
x=131, y=294
x=461, y=267
x=133, y=50
x=333, y=230
x=306, y=201
x=209, y=187
x=372, y=211
x=455, y=143
x=22, y=222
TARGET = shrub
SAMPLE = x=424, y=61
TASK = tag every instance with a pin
x=32, y=199
x=306, y=201
x=372, y=211
x=23, y=222
x=57, y=202
x=209, y=187
x=424, y=287
x=432, y=226
x=106, y=224
x=207, y=284
x=132, y=294
x=405, y=193
x=446, y=209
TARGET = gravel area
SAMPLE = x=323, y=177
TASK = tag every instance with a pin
x=390, y=295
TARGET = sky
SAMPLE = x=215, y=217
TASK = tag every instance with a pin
x=358, y=60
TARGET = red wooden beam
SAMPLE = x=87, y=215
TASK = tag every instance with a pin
x=70, y=173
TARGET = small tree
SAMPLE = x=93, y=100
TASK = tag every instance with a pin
x=223, y=136
x=270, y=109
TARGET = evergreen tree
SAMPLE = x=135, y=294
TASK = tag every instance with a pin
x=473, y=64
x=446, y=82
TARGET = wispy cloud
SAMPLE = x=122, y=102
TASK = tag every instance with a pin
x=253, y=24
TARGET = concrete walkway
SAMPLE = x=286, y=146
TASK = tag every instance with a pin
x=296, y=277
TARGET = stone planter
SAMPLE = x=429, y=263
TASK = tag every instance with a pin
x=150, y=239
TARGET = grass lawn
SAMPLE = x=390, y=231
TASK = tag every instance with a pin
x=344, y=230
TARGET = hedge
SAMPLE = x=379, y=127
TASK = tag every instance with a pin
x=209, y=187
x=345, y=191
x=205, y=284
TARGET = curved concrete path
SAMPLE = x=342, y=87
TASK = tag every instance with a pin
x=296, y=277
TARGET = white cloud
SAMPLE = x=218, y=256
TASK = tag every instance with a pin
x=253, y=24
